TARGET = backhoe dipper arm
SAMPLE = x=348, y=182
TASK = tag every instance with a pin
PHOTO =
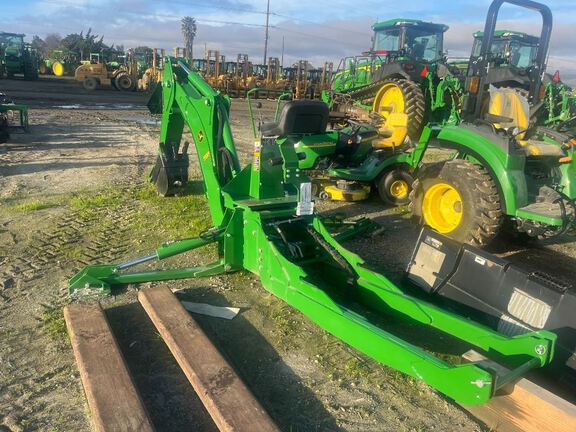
x=188, y=100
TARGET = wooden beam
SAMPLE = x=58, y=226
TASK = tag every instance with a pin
x=524, y=407
x=112, y=397
x=227, y=399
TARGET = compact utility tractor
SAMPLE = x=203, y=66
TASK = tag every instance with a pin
x=405, y=72
x=505, y=166
x=265, y=222
x=17, y=57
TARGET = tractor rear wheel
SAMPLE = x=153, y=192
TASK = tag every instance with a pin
x=90, y=83
x=30, y=70
x=58, y=69
x=394, y=187
x=124, y=82
x=404, y=97
x=458, y=199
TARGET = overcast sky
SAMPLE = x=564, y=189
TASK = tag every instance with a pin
x=317, y=30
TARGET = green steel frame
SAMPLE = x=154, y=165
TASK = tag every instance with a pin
x=265, y=223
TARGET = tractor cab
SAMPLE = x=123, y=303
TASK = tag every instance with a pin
x=506, y=59
x=509, y=48
x=414, y=40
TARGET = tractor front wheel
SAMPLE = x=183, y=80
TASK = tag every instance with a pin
x=458, y=199
x=394, y=187
x=124, y=82
x=90, y=83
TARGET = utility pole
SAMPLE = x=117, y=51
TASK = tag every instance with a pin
x=266, y=34
x=282, y=61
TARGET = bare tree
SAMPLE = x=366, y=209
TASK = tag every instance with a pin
x=189, y=29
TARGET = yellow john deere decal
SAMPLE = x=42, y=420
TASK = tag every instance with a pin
x=207, y=155
x=200, y=136
x=256, y=155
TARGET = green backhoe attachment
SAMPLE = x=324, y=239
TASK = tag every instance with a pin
x=265, y=222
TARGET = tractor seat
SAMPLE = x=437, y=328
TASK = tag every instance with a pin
x=511, y=108
x=299, y=117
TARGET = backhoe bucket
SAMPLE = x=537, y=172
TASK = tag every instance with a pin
x=170, y=176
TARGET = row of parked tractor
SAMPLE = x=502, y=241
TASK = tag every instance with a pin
x=139, y=69
x=510, y=124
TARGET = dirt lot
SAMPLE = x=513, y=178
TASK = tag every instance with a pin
x=74, y=192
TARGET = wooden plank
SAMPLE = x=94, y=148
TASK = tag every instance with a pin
x=112, y=397
x=523, y=407
x=227, y=399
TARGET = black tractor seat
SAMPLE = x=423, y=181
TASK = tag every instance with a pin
x=299, y=117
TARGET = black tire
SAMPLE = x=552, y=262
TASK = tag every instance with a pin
x=30, y=70
x=414, y=105
x=387, y=184
x=90, y=83
x=481, y=218
x=124, y=82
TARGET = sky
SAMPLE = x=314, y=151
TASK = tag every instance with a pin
x=318, y=30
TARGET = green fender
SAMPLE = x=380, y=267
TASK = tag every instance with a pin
x=506, y=169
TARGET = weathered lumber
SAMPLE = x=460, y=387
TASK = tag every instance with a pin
x=112, y=397
x=523, y=407
x=229, y=402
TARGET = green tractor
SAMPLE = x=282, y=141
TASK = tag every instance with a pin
x=560, y=113
x=515, y=54
x=405, y=72
x=506, y=170
x=59, y=62
x=17, y=57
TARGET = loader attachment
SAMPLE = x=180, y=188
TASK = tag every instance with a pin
x=265, y=222
x=505, y=297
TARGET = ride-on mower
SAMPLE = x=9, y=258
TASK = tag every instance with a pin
x=346, y=165
x=265, y=222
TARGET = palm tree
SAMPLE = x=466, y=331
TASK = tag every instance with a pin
x=189, y=31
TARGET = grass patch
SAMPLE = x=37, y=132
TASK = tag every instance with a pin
x=54, y=324
x=171, y=217
x=87, y=201
x=72, y=252
x=29, y=206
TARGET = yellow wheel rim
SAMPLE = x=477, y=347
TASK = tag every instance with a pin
x=58, y=69
x=399, y=189
x=389, y=99
x=442, y=208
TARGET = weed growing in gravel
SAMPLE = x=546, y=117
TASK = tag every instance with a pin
x=28, y=206
x=54, y=325
x=87, y=201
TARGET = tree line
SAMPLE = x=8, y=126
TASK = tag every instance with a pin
x=79, y=44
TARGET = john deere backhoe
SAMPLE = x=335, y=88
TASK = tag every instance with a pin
x=505, y=167
x=265, y=222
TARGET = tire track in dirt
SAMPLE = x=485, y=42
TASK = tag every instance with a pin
x=31, y=284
